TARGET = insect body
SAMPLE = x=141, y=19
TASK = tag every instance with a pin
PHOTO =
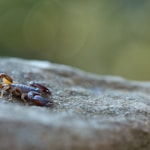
x=34, y=92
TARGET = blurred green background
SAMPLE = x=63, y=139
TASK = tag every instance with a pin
x=99, y=36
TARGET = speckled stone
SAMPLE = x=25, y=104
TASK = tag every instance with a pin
x=91, y=112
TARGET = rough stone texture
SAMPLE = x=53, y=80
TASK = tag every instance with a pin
x=91, y=112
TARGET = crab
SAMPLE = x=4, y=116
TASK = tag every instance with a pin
x=33, y=93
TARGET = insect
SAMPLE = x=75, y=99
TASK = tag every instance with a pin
x=34, y=92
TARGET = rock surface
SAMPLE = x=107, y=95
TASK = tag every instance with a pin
x=91, y=112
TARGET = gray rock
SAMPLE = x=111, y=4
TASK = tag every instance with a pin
x=91, y=112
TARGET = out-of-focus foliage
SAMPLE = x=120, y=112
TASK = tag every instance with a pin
x=106, y=37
